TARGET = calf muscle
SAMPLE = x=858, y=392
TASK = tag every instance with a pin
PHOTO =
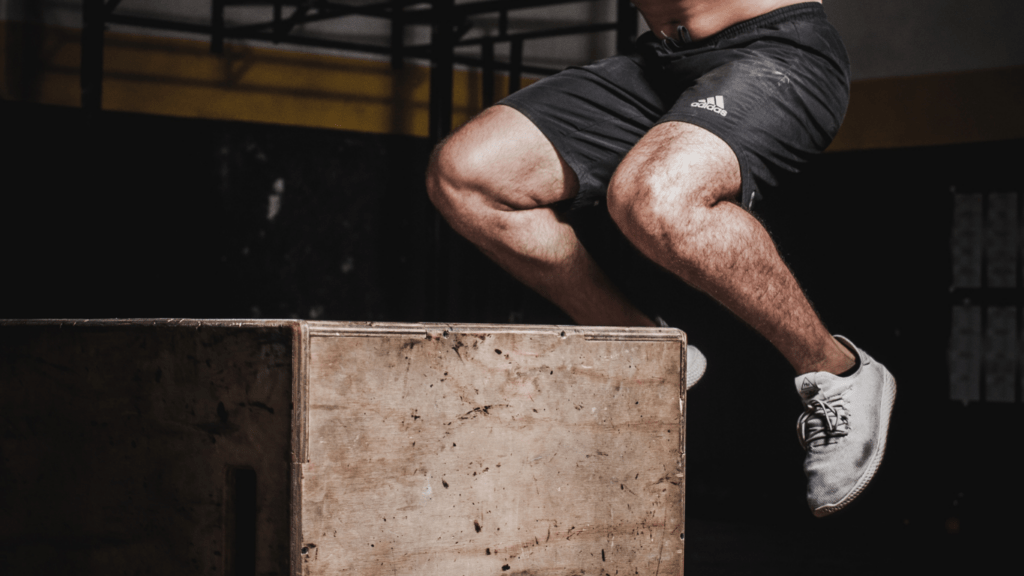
x=674, y=197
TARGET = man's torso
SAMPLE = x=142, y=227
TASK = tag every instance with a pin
x=703, y=18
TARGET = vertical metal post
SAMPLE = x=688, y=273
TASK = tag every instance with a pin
x=445, y=247
x=984, y=296
x=487, y=55
x=92, y=56
x=502, y=23
x=278, y=24
x=1019, y=375
x=441, y=70
x=397, y=35
x=515, y=71
x=625, y=33
x=217, y=27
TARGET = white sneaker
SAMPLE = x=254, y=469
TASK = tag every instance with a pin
x=843, y=429
x=696, y=363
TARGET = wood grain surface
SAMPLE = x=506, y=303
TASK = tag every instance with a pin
x=469, y=450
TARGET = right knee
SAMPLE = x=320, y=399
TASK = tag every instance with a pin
x=498, y=163
x=457, y=178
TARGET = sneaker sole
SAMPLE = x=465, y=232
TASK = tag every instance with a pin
x=888, y=400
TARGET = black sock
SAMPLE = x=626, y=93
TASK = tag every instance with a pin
x=854, y=368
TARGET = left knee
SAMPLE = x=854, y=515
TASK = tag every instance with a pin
x=651, y=209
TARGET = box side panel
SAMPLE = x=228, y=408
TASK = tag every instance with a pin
x=156, y=449
x=493, y=452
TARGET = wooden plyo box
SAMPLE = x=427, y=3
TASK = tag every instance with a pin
x=292, y=447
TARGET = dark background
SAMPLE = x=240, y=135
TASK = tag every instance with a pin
x=122, y=215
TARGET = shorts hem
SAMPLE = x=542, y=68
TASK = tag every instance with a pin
x=560, y=144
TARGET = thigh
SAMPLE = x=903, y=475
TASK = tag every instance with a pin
x=776, y=106
x=593, y=116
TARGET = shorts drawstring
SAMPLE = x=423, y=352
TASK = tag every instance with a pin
x=682, y=37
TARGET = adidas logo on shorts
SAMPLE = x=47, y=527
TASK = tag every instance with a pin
x=715, y=104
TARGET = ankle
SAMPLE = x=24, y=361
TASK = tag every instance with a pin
x=837, y=359
x=844, y=362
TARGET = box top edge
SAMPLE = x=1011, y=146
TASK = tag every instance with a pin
x=185, y=322
x=326, y=328
x=329, y=328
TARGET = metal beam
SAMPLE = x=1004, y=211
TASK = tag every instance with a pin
x=515, y=71
x=397, y=36
x=487, y=64
x=526, y=68
x=228, y=33
x=278, y=26
x=424, y=15
x=93, y=12
x=441, y=70
x=217, y=26
x=549, y=33
x=625, y=38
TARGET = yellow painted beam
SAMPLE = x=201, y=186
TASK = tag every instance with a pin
x=175, y=77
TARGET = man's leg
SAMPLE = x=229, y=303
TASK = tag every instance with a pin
x=674, y=197
x=494, y=181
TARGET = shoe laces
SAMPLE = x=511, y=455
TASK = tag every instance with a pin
x=822, y=419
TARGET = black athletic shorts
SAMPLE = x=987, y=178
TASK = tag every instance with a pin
x=775, y=88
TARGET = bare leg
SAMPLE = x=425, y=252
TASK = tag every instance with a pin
x=674, y=198
x=494, y=181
